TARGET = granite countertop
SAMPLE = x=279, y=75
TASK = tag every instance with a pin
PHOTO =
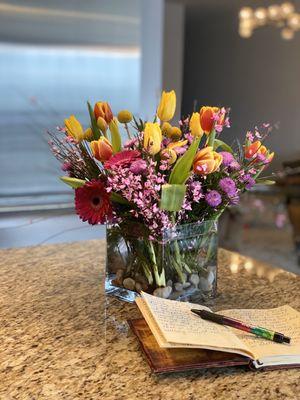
x=62, y=339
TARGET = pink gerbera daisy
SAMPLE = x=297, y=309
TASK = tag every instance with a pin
x=125, y=157
x=92, y=203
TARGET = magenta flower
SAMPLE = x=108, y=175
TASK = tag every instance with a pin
x=66, y=166
x=248, y=180
x=213, y=198
x=138, y=167
x=228, y=186
x=122, y=159
x=227, y=158
x=131, y=143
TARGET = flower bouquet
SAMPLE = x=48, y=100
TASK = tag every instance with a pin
x=160, y=193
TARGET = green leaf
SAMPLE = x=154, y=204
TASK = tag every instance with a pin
x=172, y=197
x=115, y=136
x=117, y=198
x=219, y=143
x=262, y=181
x=94, y=126
x=73, y=182
x=182, y=168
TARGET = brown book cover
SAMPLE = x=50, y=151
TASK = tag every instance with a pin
x=172, y=360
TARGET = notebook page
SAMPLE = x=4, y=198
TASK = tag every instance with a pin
x=283, y=319
x=179, y=325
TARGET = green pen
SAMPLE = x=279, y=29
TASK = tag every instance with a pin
x=234, y=323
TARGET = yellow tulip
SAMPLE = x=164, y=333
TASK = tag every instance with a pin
x=195, y=125
x=167, y=106
x=174, y=133
x=88, y=134
x=152, y=138
x=102, y=125
x=74, y=128
x=166, y=128
x=180, y=143
x=169, y=154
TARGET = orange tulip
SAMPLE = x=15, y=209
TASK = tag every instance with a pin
x=206, y=118
x=207, y=161
x=257, y=152
x=102, y=109
x=270, y=157
x=101, y=149
x=252, y=149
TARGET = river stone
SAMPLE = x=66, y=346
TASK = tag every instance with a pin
x=163, y=292
x=170, y=283
x=129, y=283
x=140, y=278
x=178, y=286
x=210, y=277
x=186, y=285
x=138, y=286
x=174, y=295
x=194, y=279
x=205, y=285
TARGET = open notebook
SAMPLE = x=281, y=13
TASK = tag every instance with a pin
x=175, y=326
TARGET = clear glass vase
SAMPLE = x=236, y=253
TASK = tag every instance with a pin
x=182, y=265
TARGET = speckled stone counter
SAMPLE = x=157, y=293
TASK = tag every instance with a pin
x=62, y=339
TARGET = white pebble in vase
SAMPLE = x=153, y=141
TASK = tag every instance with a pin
x=163, y=292
x=178, y=286
x=205, y=285
x=194, y=279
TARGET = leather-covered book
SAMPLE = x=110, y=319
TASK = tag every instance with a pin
x=175, y=339
x=163, y=359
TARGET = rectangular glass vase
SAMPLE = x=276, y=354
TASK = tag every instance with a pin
x=182, y=265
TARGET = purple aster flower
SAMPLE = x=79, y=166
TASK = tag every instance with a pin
x=250, y=183
x=227, y=158
x=234, y=166
x=138, y=167
x=234, y=200
x=213, y=198
x=248, y=180
x=228, y=186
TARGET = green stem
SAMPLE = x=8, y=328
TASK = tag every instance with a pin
x=159, y=277
x=147, y=273
x=177, y=263
x=127, y=130
x=211, y=138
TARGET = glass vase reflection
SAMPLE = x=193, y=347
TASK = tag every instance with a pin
x=182, y=265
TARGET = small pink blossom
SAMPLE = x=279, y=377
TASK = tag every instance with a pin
x=250, y=136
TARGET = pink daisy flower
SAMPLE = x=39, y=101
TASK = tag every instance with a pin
x=123, y=158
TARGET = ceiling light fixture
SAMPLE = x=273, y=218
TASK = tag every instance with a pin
x=283, y=16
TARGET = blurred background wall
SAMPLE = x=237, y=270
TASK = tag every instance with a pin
x=257, y=77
